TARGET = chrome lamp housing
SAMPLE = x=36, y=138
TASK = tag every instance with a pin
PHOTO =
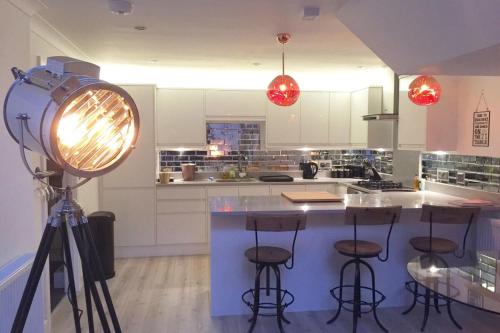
x=64, y=111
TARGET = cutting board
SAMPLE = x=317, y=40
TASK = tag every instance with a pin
x=311, y=197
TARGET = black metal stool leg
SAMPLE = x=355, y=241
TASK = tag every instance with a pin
x=33, y=279
x=426, y=309
x=71, y=277
x=415, y=296
x=96, y=260
x=255, y=307
x=357, y=297
x=374, y=299
x=436, y=302
x=340, y=292
x=268, y=280
x=88, y=272
x=278, y=298
x=448, y=306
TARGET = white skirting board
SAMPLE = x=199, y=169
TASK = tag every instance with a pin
x=161, y=250
x=13, y=277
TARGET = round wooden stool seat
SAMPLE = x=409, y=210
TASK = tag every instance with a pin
x=364, y=249
x=439, y=245
x=268, y=255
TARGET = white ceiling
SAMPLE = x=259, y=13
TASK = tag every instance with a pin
x=447, y=37
x=217, y=34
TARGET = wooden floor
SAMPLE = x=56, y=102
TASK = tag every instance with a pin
x=171, y=294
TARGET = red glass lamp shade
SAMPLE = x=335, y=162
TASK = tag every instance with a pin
x=283, y=90
x=424, y=90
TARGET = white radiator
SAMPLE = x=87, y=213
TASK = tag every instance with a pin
x=13, y=277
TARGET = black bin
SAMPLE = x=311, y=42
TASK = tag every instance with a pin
x=102, y=226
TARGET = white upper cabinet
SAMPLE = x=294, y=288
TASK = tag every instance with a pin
x=138, y=170
x=374, y=133
x=359, y=127
x=314, y=113
x=283, y=125
x=239, y=104
x=340, y=119
x=412, y=125
x=180, y=118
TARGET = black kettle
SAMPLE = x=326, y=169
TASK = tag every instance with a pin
x=309, y=170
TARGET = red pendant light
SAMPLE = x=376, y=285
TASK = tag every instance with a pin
x=283, y=89
x=424, y=90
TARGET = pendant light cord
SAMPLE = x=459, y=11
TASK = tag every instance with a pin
x=283, y=60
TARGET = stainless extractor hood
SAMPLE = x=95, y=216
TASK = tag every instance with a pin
x=381, y=116
x=377, y=101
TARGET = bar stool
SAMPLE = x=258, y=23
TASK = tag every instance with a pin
x=267, y=258
x=359, y=250
x=435, y=246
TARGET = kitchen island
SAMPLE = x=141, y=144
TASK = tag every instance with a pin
x=317, y=265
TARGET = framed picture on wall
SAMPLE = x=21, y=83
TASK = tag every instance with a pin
x=481, y=129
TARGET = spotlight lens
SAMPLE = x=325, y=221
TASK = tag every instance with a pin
x=95, y=130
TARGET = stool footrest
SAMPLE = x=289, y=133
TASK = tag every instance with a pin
x=418, y=295
x=368, y=305
x=287, y=299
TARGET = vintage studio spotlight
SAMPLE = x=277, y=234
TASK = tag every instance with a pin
x=87, y=127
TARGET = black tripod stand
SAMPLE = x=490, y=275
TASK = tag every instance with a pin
x=68, y=212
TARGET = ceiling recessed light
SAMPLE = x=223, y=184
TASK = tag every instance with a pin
x=310, y=13
x=256, y=63
x=153, y=61
x=140, y=28
x=361, y=67
x=120, y=7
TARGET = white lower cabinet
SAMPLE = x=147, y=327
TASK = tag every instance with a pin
x=253, y=190
x=170, y=219
x=222, y=191
x=181, y=228
x=332, y=188
x=181, y=215
x=277, y=189
x=135, y=215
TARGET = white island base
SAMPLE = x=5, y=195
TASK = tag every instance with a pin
x=317, y=264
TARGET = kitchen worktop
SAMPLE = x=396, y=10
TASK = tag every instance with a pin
x=256, y=181
x=408, y=200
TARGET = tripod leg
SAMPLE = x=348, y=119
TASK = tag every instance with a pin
x=96, y=261
x=33, y=279
x=88, y=301
x=71, y=277
x=88, y=273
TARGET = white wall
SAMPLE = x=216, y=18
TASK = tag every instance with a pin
x=19, y=221
x=442, y=117
x=24, y=38
x=469, y=91
x=449, y=122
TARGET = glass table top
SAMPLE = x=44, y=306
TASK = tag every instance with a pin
x=471, y=280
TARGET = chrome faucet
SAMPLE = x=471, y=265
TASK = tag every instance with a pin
x=372, y=172
x=241, y=158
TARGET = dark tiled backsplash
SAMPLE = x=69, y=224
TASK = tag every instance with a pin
x=471, y=171
x=280, y=160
